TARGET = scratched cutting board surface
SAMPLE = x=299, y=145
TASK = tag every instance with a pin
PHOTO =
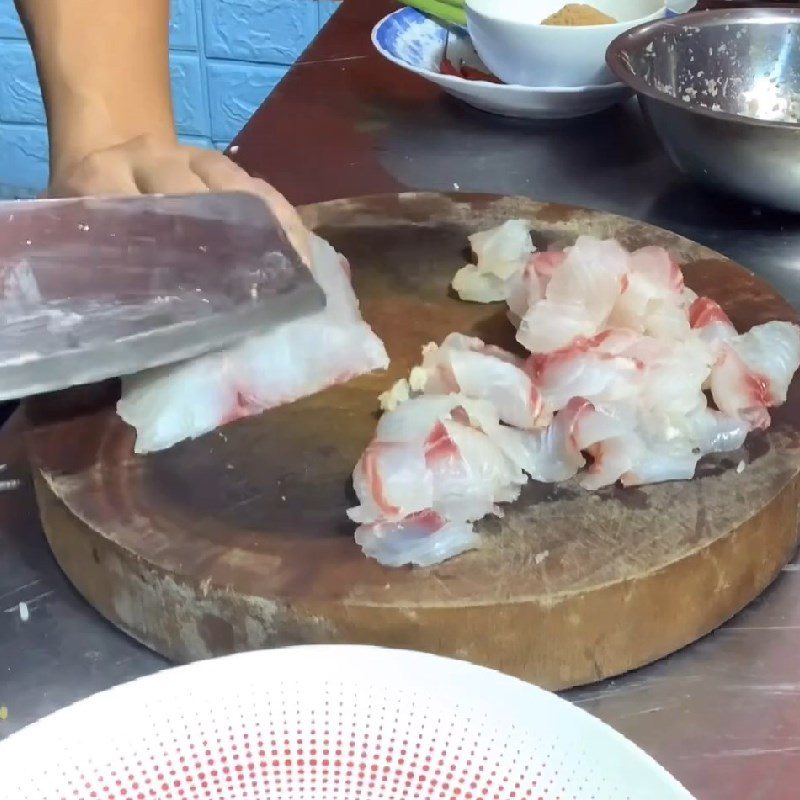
x=239, y=539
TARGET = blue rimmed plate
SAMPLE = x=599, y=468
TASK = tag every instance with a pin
x=417, y=44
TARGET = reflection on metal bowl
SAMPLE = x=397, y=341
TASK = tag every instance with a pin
x=722, y=90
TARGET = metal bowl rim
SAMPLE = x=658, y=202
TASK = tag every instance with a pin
x=636, y=36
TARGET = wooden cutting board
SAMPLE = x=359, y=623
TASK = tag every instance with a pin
x=239, y=539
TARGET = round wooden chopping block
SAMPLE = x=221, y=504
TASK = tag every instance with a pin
x=239, y=539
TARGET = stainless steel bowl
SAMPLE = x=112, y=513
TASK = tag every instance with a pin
x=722, y=90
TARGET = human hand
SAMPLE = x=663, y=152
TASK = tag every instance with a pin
x=147, y=165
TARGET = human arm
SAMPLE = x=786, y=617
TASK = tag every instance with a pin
x=104, y=72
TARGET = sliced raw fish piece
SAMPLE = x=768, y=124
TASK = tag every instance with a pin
x=183, y=401
x=422, y=540
x=605, y=433
x=634, y=459
x=475, y=286
x=669, y=451
x=546, y=263
x=674, y=372
x=436, y=463
x=666, y=319
x=414, y=419
x=391, y=480
x=658, y=269
x=711, y=324
x=548, y=454
x=657, y=447
x=754, y=370
x=704, y=312
x=714, y=432
x=660, y=464
x=653, y=300
x=588, y=368
x=773, y=349
x=640, y=446
x=471, y=473
x=598, y=423
x=611, y=459
x=544, y=454
x=527, y=286
x=593, y=274
x=464, y=364
x=501, y=254
x=579, y=297
x=548, y=326
x=503, y=250
x=522, y=291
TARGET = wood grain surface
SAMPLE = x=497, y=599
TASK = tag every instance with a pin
x=239, y=539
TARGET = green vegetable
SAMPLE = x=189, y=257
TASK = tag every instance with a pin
x=447, y=10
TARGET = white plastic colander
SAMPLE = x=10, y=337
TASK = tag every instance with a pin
x=327, y=723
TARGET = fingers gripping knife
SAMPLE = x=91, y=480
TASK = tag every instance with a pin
x=94, y=288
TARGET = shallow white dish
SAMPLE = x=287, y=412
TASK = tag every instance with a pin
x=417, y=43
x=327, y=723
x=513, y=43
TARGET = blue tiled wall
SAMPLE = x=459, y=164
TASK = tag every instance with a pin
x=226, y=57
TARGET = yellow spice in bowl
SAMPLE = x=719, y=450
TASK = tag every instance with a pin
x=578, y=14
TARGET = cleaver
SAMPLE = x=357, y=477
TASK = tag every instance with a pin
x=95, y=288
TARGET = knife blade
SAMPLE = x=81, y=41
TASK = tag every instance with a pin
x=94, y=288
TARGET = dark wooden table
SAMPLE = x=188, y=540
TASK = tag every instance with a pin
x=722, y=715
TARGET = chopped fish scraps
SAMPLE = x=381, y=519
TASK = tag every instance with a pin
x=630, y=378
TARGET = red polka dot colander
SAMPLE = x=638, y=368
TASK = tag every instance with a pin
x=327, y=723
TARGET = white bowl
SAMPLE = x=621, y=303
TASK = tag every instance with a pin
x=327, y=723
x=511, y=40
x=418, y=43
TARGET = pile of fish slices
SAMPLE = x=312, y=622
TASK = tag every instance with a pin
x=630, y=377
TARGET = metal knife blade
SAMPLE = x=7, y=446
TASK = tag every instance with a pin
x=93, y=288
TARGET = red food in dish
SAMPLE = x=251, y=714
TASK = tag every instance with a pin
x=466, y=72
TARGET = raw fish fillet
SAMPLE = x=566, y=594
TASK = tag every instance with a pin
x=296, y=359
x=632, y=378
